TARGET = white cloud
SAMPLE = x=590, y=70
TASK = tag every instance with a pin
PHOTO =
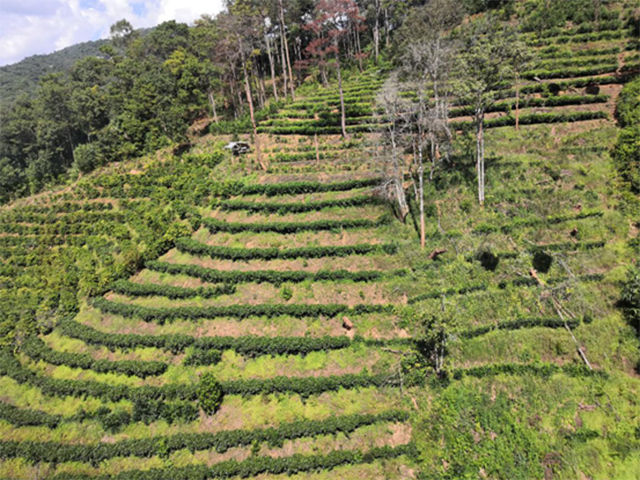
x=29, y=27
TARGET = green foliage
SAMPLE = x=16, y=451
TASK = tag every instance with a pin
x=284, y=228
x=630, y=298
x=187, y=245
x=535, y=119
x=255, y=466
x=297, y=207
x=87, y=157
x=209, y=393
x=162, y=315
x=237, y=188
x=36, y=349
x=543, y=370
x=269, y=276
x=475, y=432
x=26, y=418
x=203, y=357
x=304, y=386
x=626, y=153
x=134, y=289
x=220, y=441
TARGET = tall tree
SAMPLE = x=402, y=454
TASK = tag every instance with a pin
x=488, y=52
x=332, y=24
x=428, y=62
x=242, y=26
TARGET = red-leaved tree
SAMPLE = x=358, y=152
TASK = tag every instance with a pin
x=336, y=26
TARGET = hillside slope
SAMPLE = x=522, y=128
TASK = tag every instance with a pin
x=23, y=77
x=318, y=313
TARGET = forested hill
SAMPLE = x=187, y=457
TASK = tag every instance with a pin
x=23, y=77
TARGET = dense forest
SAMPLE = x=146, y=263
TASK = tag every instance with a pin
x=424, y=267
x=23, y=77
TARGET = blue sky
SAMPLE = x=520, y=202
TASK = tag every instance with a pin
x=29, y=27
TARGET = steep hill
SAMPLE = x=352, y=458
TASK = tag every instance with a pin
x=341, y=348
x=22, y=77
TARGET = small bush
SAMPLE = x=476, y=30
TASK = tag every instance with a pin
x=209, y=393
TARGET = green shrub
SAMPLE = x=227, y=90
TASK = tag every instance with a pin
x=298, y=207
x=203, y=357
x=133, y=289
x=284, y=228
x=21, y=417
x=161, y=315
x=35, y=348
x=221, y=441
x=630, y=298
x=87, y=157
x=188, y=245
x=209, y=393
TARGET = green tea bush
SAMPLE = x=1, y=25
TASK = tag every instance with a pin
x=161, y=315
x=544, y=370
x=203, y=357
x=288, y=466
x=284, y=228
x=298, y=207
x=304, y=386
x=221, y=441
x=21, y=417
x=132, y=289
x=209, y=393
x=519, y=324
x=188, y=245
x=36, y=349
x=250, y=346
x=269, y=276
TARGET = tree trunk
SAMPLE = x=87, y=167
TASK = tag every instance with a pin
x=480, y=155
x=343, y=116
x=283, y=61
x=517, y=103
x=212, y=101
x=398, y=178
x=423, y=234
x=386, y=26
x=376, y=33
x=286, y=51
x=358, y=49
x=271, y=66
x=256, y=139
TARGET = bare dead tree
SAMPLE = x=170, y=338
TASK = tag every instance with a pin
x=398, y=121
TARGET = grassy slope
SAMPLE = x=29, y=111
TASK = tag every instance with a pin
x=497, y=426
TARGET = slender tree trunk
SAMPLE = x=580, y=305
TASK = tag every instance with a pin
x=261, y=86
x=323, y=75
x=286, y=51
x=256, y=138
x=343, y=116
x=398, y=177
x=283, y=61
x=271, y=66
x=517, y=103
x=73, y=154
x=376, y=33
x=423, y=235
x=480, y=156
x=212, y=101
x=386, y=26
x=358, y=49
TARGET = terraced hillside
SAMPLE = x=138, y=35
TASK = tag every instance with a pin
x=318, y=315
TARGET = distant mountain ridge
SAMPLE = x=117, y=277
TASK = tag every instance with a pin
x=23, y=77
